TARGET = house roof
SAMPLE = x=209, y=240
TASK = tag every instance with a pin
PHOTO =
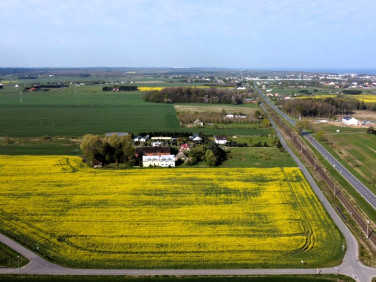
x=220, y=137
x=347, y=118
x=151, y=150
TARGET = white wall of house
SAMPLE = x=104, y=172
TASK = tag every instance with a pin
x=220, y=142
x=162, y=161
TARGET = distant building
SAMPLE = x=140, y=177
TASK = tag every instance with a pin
x=250, y=101
x=220, y=140
x=195, y=138
x=157, y=143
x=198, y=122
x=347, y=120
x=140, y=139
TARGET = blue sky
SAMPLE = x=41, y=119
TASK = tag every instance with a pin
x=298, y=34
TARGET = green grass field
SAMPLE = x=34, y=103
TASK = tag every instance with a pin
x=9, y=258
x=274, y=278
x=258, y=157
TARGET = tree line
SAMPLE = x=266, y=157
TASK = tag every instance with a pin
x=194, y=95
x=120, y=88
x=325, y=107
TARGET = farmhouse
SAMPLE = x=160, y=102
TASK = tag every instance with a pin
x=162, y=161
x=347, y=120
x=155, y=156
x=221, y=140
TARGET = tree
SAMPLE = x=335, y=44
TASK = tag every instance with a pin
x=265, y=123
x=321, y=135
x=93, y=148
x=303, y=125
x=210, y=158
x=128, y=151
x=371, y=130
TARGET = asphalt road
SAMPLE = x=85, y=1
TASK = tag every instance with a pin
x=359, y=186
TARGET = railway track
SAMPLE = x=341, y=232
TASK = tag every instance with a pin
x=319, y=170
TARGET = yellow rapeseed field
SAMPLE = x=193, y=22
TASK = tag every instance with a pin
x=364, y=98
x=164, y=218
x=146, y=88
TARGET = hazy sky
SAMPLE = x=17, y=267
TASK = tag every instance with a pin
x=188, y=33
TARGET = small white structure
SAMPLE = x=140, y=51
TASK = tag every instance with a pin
x=196, y=138
x=240, y=116
x=220, y=140
x=229, y=115
x=140, y=139
x=347, y=120
x=162, y=161
x=157, y=143
x=161, y=138
x=198, y=122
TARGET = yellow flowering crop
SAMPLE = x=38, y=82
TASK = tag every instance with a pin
x=146, y=88
x=164, y=218
x=365, y=98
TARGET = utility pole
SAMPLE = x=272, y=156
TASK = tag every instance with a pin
x=20, y=96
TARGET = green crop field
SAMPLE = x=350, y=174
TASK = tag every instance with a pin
x=165, y=218
x=75, y=112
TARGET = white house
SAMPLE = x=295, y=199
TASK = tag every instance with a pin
x=347, y=120
x=162, y=161
x=229, y=115
x=221, y=140
x=196, y=138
